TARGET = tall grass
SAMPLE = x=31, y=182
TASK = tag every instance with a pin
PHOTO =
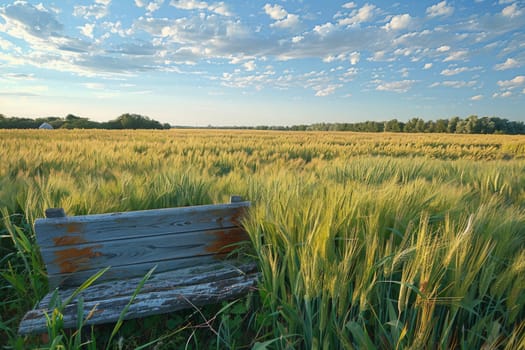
x=364, y=241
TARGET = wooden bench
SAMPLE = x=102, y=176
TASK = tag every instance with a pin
x=188, y=246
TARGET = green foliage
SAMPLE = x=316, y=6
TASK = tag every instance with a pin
x=125, y=121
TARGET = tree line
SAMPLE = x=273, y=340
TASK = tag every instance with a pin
x=455, y=125
x=125, y=121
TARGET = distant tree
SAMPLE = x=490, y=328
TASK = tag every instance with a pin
x=137, y=121
x=410, y=126
x=453, y=124
x=393, y=126
x=441, y=125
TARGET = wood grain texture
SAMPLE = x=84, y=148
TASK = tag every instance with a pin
x=89, y=256
x=103, y=303
x=133, y=242
x=67, y=280
x=125, y=225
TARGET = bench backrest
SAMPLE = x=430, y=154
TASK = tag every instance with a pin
x=76, y=247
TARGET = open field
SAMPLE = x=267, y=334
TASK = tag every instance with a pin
x=364, y=240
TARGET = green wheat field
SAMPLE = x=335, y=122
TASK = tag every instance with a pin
x=364, y=241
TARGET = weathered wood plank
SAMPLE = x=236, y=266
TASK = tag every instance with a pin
x=195, y=274
x=151, y=303
x=89, y=256
x=103, y=227
x=130, y=271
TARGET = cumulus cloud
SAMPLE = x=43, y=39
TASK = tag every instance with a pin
x=249, y=66
x=87, y=29
x=297, y=39
x=511, y=11
x=354, y=58
x=508, y=64
x=439, y=9
x=502, y=94
x=276, y=12
x=456, y=56
x=443, y=48
x=349, y=5
x=356, y=17
x=427, y=66
x=396, y=86
x=326, y=91
x=513, y=83
x=290, y=21
x=454, y=71
x=219, y=8
x=282, y=18
x=399, y=22
x=324, y=29
x=150, y=6
x=98, y=10
x=476, y=98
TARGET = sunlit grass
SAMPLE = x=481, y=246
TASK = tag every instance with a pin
x=363, y=240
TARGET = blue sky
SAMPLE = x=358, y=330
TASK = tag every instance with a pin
x=192, y=62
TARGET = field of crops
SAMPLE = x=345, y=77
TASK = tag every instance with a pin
x=365, y=241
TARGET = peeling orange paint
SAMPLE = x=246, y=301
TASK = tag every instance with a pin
x=68, y=240
x=224, y=240
x=73, y=227
x=70, y=260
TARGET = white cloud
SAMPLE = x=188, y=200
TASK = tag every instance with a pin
x=456, y=56
x=297, y=39
x=324, y=29
x=275, y=12
x=440, y=9
x=249, y=66
x=103, y=2
x=150, y=6
x=477, y=98
x=290, y=21
x=97, y=10
x=395, y=86
x=427, y=66
x=502, y=94
x=454, y=71
x=87, y=29
x=349, y=5
x=282, y=18
x=354, y=58
x=399, y=22
x=513, y=83
x=356, y=17
x=219, y=8
x=349, y=75
x=443, y=48
x=456, y=84
x=511, y=11
x=326, y=91
x=508, y=64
